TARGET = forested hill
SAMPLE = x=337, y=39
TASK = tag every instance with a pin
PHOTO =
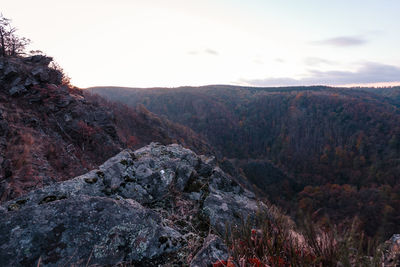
x=341, y=145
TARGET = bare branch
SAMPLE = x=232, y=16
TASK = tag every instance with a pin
x=10, y=43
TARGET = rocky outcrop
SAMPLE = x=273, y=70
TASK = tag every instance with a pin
x=18, y=77
x=156, y=205
x=48, y=131
x=51, y=131
x=84, y=230
x=213, y=250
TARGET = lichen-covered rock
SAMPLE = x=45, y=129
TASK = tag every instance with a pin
x=213, y=250
x=228, y=209
x=82, y=230
x=151, y=206
x=228, y=204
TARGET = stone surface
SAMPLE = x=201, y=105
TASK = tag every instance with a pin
x=39, y=59
x=82, y=230
x=151, y=206
x=10, y=72
x=228, y=204
x=17, y=90
x=213, y=250
x=3, y=128
x=20, y=74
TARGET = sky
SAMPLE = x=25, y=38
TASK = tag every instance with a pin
x=159, y=43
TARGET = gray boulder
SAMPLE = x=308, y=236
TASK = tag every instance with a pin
x=41, y=73
x=39, y=59
x=144, y=207
x=228, y=204
x=213, y=250
x=30, y=82
x=10, y=72
x=17, y=90
x=83, y=230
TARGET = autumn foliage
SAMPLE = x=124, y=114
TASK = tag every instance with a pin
x=337, y=149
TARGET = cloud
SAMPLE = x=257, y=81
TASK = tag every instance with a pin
x=211, y=52
x=208, y=51
x=343, y=41
x=283, y=81
x=369, y=72
x=258, y=61
x=315, y=61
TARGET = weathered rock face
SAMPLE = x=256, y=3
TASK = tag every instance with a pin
x=153, y=206
x=19, y=78
x=71, y=230
x=213, y=250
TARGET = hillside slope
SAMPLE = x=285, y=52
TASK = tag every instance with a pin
x=50, y=131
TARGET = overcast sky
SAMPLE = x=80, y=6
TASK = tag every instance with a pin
x=150, y=43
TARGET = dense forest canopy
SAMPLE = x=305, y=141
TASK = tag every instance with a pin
x=331, y=144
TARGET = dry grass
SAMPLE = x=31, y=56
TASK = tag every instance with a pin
x=276, y=241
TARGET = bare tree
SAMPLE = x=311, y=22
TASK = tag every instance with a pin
x=10, y=43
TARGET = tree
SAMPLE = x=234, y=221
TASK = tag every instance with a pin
x=10, y=43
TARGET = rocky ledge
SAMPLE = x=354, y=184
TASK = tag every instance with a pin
x=159, y=205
